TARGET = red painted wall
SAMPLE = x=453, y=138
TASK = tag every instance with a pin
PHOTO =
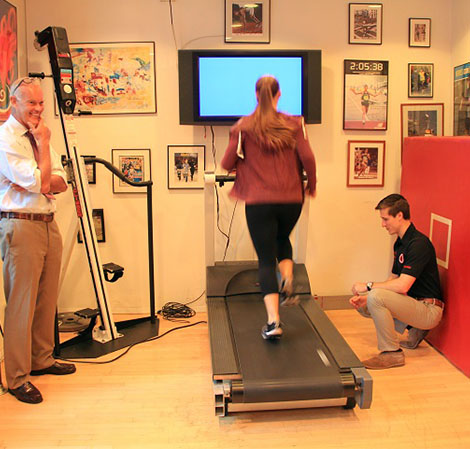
x=436, y=179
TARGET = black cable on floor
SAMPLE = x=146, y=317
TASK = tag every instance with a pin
x=135, y=344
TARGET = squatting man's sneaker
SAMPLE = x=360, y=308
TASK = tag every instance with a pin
x=386, y=359
x=272, y=331
x=415, y=337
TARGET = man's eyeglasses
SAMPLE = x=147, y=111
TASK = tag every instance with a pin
x=26, y=80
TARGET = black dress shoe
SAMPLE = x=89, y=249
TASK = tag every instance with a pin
x=59, y=369
x=27, y=393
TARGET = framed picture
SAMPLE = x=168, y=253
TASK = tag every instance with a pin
x=98, y=221
x=419, y=32
x=9, y=62
x=89, y=166
x=365, y=23
x=186, y=164
x=420, y=80
x=135, y=164
x=248, y=21
x=462, y=100
x=114, y=78
x=421, y=119
x=365, y=95
x=366, y=163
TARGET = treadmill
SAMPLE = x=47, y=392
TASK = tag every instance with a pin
x=310, y=366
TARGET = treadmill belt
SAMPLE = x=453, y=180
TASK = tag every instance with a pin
x=296, y=367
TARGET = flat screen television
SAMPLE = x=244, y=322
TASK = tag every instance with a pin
x=217, y=87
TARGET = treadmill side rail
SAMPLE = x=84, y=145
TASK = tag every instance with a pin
x=364, y=389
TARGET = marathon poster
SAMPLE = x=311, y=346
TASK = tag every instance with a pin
x=365, y=95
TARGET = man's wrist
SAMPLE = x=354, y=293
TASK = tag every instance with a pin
x=369, y=286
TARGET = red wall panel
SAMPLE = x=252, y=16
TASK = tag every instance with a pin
x=436, y=179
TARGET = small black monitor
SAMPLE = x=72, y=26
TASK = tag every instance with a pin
x=217, y=87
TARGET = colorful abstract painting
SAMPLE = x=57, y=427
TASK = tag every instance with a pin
x=114, y=78
x=8, y=55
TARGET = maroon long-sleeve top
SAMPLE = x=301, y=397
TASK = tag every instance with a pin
x=265, y=175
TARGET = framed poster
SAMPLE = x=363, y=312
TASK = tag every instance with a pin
x=248, y=21
x=420, y=80
x=98, y=221
x=135, y=164
x=421, y=119
x=462, y=100
x=186, y=165
x=9, y=55
x=114, y=78
x=365, y=23
x=365, y=95
x=89, y=166
x=366, y=163
x=419, y=32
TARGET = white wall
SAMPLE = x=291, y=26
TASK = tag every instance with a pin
x=346, y=242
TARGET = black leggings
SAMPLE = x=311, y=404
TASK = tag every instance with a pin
x=270, y=226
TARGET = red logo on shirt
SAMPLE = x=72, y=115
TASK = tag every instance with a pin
x=401, y=258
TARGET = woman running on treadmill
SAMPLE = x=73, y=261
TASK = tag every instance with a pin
x=270, y=150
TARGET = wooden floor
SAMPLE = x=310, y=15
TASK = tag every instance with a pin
x=160, y=396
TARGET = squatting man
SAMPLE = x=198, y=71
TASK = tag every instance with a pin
x=410, y=298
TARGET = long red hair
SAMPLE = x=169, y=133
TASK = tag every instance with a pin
x=271, y=129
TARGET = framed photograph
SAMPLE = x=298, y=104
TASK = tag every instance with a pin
x=89, y=166
x=114, y=78
x=186, y=164
x=98, y=221
x=419, y=32
x=366, y=163
x=462, y=100
x=9, y=61
x=420, y=80
x=365, y=23
x=421, y=119
x=248, y=22
x=365, y=95
x=135, y=164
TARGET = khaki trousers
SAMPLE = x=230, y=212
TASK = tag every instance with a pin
x=31, y=252
x=392, y=312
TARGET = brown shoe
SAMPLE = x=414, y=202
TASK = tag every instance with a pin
x=27, y=393
x=415, y=337
x=386, y=359
x=58, y=369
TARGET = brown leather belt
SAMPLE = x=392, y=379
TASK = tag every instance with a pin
x=28, y=216
x=433, y=301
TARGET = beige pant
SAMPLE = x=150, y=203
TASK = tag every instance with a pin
x=392, y=312
x=31, y=252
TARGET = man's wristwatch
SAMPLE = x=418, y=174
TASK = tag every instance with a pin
x=369, y=286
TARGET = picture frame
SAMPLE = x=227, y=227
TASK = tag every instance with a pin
x=366, y=163
x=420, y=80
x=133, y=163
x=462, y=100
x=248, y=22
x=89, y=166
x=9, y=27
x=98, y=221
x=114, y=77
x=365, y=23
x=419, y=32
x=186, y=164
x=365, y=99
x=421, y=119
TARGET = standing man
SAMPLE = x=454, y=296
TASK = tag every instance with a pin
x=411, y=297
x=30, y=241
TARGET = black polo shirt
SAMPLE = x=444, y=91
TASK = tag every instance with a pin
x=415, y=255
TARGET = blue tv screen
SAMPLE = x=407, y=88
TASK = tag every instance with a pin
x=217, y=87
x=227, y=84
